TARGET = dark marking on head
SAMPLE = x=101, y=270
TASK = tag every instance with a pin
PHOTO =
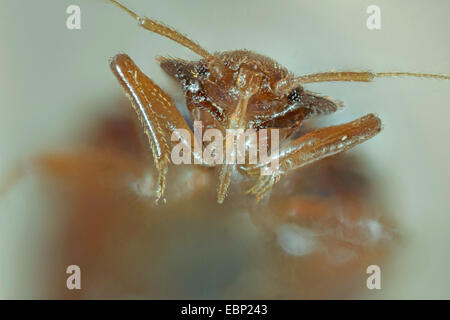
x=295, y=95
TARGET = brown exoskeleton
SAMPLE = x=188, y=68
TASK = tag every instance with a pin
x=241, y=90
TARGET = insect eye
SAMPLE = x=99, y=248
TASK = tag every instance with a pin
x=295, y=95
x=202, y=71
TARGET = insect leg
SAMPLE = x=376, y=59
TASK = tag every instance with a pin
x=156, y=112
x=316, y=145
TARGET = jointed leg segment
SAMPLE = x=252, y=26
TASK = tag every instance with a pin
x=316, y=145
x=156, y=111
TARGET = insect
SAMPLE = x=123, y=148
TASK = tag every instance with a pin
x=241, y=90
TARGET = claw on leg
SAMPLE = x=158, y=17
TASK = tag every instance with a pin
x=161, y=184
x=263, y=186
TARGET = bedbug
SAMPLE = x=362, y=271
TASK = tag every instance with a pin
x=241, y=90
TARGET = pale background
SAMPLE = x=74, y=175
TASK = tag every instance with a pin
x=51, y=78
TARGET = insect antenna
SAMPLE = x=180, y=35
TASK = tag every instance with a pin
x=412, y=74
x=285, y=85
x=161, y=29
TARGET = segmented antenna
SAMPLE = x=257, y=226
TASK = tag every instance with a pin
x=412, y=74
x=286, y=85
x=161, y=29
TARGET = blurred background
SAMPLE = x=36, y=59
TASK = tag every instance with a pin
x=55, y=82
